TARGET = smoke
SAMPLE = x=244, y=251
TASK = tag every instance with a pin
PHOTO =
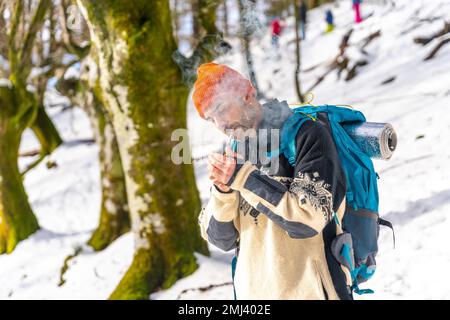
x=210, y=46
x=250, y=22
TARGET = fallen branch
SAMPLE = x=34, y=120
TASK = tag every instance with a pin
x=352, y=72
x=30, y=153
x=328, y=62
x=320, y=79
x=426, y=40
x=34, y=164
x=389, y=80
x=370, y=38
x=97, y=275
x=70, y=143
x=202, y=289
x=76, y=142
x=436, y=49
x=65, y=266
x=344, y=42
x=62, y=105
x=339, y=61
x=419, y=23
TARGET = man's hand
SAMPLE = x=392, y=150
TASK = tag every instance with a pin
x=221, y=168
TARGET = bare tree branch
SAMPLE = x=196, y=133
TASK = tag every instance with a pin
x=3, y=34
x=15, y=21
x=69, y=44
x=36, y=24
x=210, y=46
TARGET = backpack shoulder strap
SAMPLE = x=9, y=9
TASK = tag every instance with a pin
x=291, y=128
x=289, y=134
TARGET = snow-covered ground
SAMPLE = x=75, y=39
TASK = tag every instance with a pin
x=66, y=200
x=414, y=185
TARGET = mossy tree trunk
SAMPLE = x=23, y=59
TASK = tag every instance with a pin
x=46, y=132
x=85, y=92
x=114, y=215
x=18, y=110
x=17, y=220
x=142, y=89
x=47, y=135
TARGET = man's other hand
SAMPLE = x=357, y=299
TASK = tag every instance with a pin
x=221, y=168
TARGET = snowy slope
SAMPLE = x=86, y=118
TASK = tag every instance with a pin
x=414, y=185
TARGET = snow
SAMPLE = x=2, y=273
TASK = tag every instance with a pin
x=4, y=64
x=66, y=200
x=5, y=83
x=414, y=185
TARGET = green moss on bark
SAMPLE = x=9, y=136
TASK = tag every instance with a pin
x=17, y=220
x=18, y=110
x=152, y=270
x=110, y=227
x=156, y=106
x=46, y=132
x=143, y=276
x=114, y=214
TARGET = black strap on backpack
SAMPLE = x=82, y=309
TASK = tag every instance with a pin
x=388, y=224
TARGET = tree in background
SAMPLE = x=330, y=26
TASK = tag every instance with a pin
x=203, y=19
x=195, y=9
x=225, y=26
x=114, y=215
x=315, y=3
x=142, y=87
x=47, y=61
x=84, y=91
x=297, y=50
x=278, y=8
x=21, y=106
x=284, y=7
x=249, y=25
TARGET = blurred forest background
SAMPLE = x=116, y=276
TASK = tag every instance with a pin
x=91, y=91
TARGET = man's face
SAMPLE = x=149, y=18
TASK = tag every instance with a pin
x=235, y=117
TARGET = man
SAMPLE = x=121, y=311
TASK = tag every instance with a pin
x=357, y=9
x=276, y=26
x=280, y=223
x=329, y=19
x=302, y=10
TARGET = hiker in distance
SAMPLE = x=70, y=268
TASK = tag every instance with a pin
x=280, y=222
x=302, y=12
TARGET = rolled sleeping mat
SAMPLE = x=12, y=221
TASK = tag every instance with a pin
x=377, y=140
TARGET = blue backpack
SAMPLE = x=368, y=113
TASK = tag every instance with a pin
x=357, y=247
